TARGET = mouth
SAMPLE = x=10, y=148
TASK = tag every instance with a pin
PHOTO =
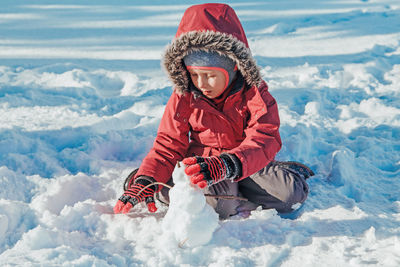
x=206, y=92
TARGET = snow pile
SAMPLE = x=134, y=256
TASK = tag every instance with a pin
x=189, y=221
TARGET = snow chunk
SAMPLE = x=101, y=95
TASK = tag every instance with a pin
x=370, y=113
x=68, y=190
x=15, y=219
x=15, y=186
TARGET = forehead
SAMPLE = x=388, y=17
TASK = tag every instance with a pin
x=205, y=70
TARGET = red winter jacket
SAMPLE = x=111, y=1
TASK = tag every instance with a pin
x=247, y=126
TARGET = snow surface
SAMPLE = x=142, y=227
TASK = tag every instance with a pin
x=81, y=96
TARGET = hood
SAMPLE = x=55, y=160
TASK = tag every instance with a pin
x=209, y=27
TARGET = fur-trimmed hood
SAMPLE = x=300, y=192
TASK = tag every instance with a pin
x=209, y=27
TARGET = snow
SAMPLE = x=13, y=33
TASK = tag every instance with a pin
x=189, y=221
x=81, y=95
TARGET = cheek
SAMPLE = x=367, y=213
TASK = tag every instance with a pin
x=212, y=82
x=219, y=84
x=194, y=80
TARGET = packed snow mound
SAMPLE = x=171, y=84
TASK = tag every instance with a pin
x=190, y=221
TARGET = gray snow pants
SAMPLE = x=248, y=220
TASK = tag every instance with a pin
x=273, y=187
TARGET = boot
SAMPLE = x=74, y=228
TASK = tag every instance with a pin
x=297, y=167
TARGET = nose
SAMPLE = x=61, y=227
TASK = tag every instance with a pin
x=201, y=81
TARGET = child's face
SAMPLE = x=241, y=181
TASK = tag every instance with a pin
x=211, y=82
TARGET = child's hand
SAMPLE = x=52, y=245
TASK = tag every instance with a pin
x=210, y=170
x=134, y=195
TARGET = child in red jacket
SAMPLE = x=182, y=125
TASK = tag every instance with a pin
x=220, y=120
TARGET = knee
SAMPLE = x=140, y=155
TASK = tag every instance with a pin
x=293, y=190
x=275, y=187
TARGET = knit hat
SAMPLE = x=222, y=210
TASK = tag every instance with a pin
x=212, y=60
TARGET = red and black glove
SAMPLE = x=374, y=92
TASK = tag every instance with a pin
x=136, y=194
x=211, y=170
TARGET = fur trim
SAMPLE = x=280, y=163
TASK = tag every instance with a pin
x=223, y=43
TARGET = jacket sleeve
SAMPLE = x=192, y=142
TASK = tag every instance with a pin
x=171, y=142
x=262, y=139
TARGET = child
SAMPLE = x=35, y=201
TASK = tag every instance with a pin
x=220, y=120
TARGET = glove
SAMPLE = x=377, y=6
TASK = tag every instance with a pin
x=211, y=170
x=135, y=194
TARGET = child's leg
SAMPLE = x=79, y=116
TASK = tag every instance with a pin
x=224, y=207
x=275, y=187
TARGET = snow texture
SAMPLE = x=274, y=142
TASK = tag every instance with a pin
x=81, y=96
